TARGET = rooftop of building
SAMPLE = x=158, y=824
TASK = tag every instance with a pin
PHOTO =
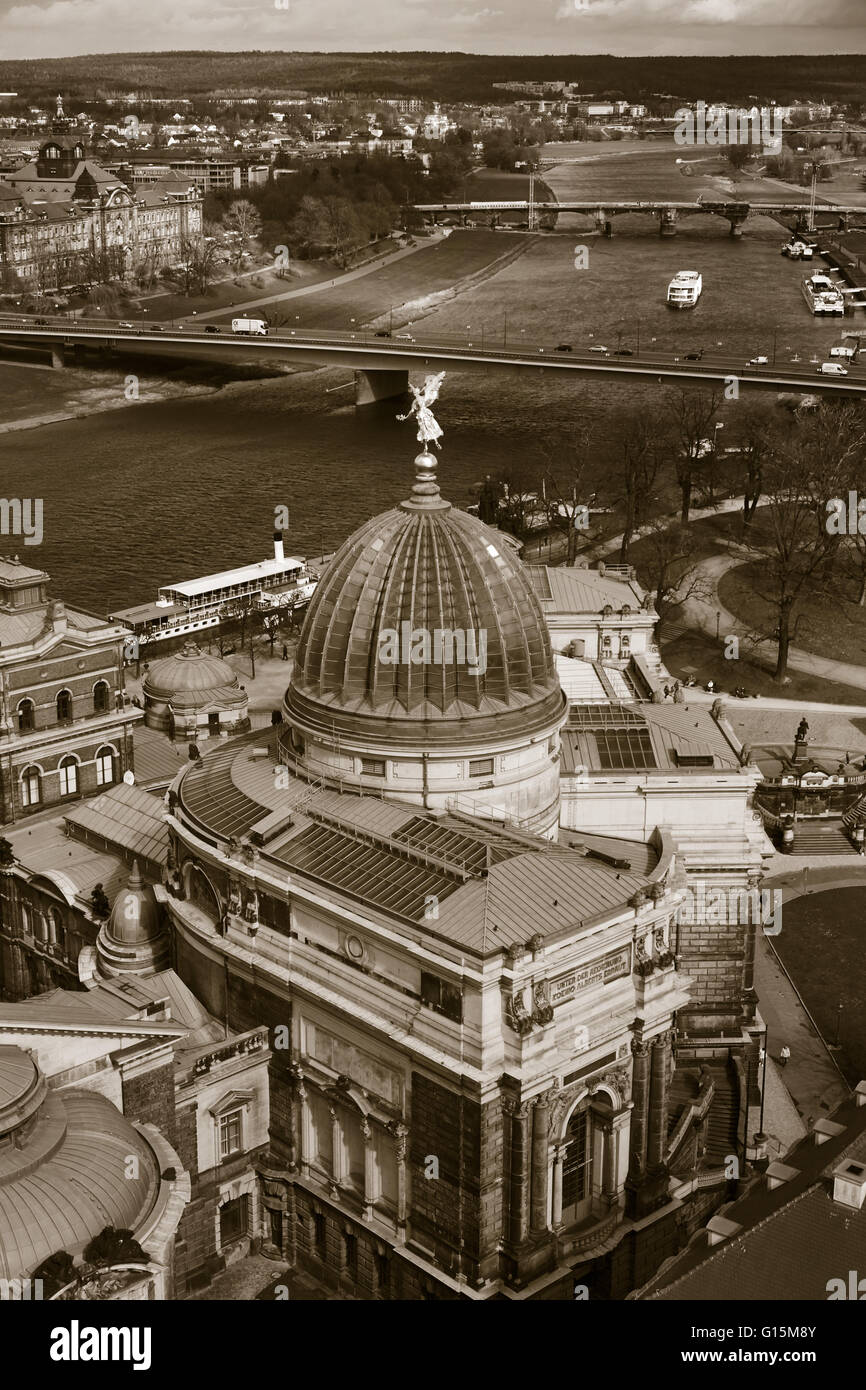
x=494, y=885
x=646, y=737
x=792, y=1238
x=569, y=590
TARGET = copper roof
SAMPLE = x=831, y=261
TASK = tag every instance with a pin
x=67, y=1177
x=425, y=566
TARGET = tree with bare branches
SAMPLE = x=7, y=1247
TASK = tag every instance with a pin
x=693, y=418
x=566, y=458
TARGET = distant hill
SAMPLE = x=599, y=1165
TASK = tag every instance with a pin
x=448, y=77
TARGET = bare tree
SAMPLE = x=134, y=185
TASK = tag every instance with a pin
x=844, y=423
x=642, y=451
x=242, y=219
x=794, y=544
x=566, y=458
x=674, y=576
x=693, y=415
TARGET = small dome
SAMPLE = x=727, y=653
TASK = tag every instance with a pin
x=64, y=1177
x=135, y=915
x=133, y=938
x=425, y=567
x=189, y=676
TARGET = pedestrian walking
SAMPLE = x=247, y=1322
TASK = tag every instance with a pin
x=285, y=652
x=784, y=1055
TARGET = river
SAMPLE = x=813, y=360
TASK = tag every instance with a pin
x=154, y=493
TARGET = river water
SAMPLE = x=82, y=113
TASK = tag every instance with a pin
x=154, y=493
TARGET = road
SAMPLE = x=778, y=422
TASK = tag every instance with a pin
x=366, y=351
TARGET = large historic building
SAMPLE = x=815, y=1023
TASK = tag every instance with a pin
x=65, y=727
x=64, y=219
x=475, y=1085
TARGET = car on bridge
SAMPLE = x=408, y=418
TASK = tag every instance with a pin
x=212, y=328
x=832, y=369
x=693, y=356
x=124, y=324
x=758, y=361
x=563, y=347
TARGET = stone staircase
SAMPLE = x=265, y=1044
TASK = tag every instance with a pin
x=722, y=1119
x=818, y=838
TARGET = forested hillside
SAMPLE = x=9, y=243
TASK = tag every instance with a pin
x=447, y=77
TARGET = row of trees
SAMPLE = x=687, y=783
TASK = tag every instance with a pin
x=785, y=468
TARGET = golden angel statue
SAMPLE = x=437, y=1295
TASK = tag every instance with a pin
x=429, y=429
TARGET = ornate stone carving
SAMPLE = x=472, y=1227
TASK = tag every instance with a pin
x=518, y=1017
x=542, y=1009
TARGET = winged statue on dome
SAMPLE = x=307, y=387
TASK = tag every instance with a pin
x=429, y=429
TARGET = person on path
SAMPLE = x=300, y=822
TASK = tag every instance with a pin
x=784, y=1055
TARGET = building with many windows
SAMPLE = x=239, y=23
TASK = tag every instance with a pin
x=475, y=1083
x=64, y=219
x=65, y=727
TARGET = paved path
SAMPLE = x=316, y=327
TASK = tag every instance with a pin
x=708, y=615
x=319, y=287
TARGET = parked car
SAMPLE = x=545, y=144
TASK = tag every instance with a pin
x=563, y=347
x=832, y=369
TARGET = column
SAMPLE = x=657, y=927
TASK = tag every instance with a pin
x=658, y=1109
x=608, y=1167
x=640, y=1091
x=558, y=1159
x=520, y=1171
x=538, y=1195
x=369, y=1170
x=306, y=1145
x=401, y=1136
x=336, y=1145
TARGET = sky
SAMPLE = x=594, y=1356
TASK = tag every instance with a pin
x=58, y=28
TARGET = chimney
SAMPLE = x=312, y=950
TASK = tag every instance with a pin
x=279, y=551
x=849, y=1184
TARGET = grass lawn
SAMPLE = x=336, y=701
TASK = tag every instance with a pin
x=695, y=653
x=822, y=946
x=829, y=623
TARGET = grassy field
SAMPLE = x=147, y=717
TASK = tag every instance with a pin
x=689, y=653
x=822, y=947
x=829, y=622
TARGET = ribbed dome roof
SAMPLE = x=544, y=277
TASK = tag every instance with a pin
x=65, y=1178
x=135, y=916
x=189, y=672
x=425, y=566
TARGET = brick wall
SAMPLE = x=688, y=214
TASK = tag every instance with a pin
x=445, y=1212
x=149, y=1098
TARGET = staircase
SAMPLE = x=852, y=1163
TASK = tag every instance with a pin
x=722, y=1119
x=816, y=837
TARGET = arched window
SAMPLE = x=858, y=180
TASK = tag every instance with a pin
x=26, y=716
x=576, y=1168
x=101, y=693
x=31, y=786
x=68, y=770
x=64, y=707
x=105, y=774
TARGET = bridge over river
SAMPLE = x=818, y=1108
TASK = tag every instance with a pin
x=668, y=211
x=382, y=363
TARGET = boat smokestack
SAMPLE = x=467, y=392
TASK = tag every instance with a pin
x=279, y=550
